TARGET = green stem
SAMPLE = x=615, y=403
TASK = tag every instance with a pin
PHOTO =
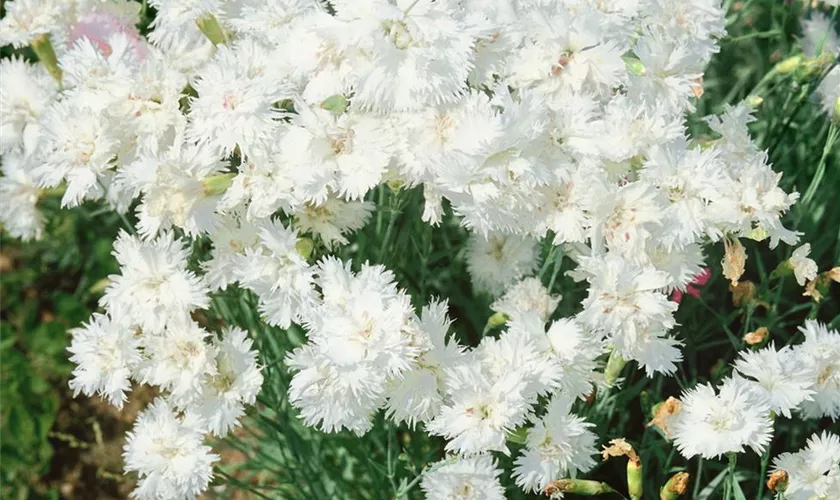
x=730, y=475
x=833, y=133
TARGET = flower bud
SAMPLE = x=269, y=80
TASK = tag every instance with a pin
x=335, y=104
x=209, y=25
x=663, y=412
x=304, y=247
x=215, y=185
x=734, y=259
x=675, y=486
x=577, y=486
x=789, y=65
x=518, y=435
x=742, y=293
x=44, y=50
x=754, y=101
x=614, y=366
x=756, y=337
x=634, y=65
x=635, y=482
x=495, y=321
x=778, y=481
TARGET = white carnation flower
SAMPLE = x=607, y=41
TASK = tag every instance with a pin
x=19, y=195
x=821, y=351
x=559, y=444
x=154, y=286
x=804, y=268
x=463, y=478
x=782, y=377
x=527, y=296
x=26, y=91
x=234, y=383
x=814, y=471
x=732, y=419
x=499, y=260
x=167, y=453
x=105, y=353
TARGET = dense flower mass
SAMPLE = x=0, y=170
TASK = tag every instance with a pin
x=260, y=128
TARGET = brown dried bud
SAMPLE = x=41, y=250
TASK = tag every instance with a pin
x=756, y=337
x=742, y=293
x=778, y=481
x=662, y=414
x=734, y=259
x=697, y=87
x=676, y=486
x=618, y=448
x=834, y=274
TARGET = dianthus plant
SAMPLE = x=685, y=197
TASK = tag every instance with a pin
x=246, y=142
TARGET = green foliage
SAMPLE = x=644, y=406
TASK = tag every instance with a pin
x=45, y=291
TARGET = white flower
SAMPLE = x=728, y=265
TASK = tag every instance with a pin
x=499, y=260
x=419, y=53
x=711, y=424
x=154, y=286
x=100, y=77
x=26, y=20
x=628, y=217
x=237, y=93
x=821, y=350
x=80, y=147
x=234, y=383
x=346, y=154
x=333, y=219
x=175, y=193
x=529, y=295
x=574, y=350
x=483, y=408
x=178, y=359
x=19, y=195
x=782, y=377
x=277, y=273
x=804, y=268
x=230, y=239
x=463, y=478
x=624, y=299
x=185, y=11
x=814, y=471
x=26, y=90
x=418, y=395
x=558, y=445
x=105, y=354
x=167, y=453
x=359, y=341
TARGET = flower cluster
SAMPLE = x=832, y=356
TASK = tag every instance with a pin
x=766, y=383
x=261, y=127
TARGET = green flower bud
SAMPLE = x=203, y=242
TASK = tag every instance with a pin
x=335, y=104
x=614, y=366
x=304, y=247
x=44, y=50
x=211, y=28
x=215, y=185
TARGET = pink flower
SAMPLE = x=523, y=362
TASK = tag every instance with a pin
x=699, y=279
x=99, y=26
